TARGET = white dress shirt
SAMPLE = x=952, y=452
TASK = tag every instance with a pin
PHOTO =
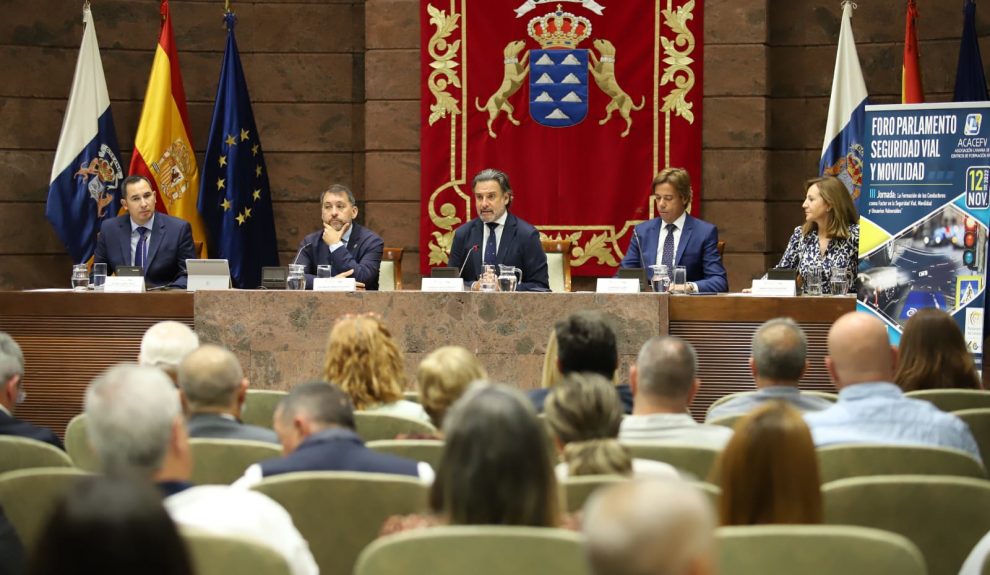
x=498, y=235
x=135, y=236
x=679, y=222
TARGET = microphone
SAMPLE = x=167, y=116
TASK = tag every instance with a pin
x=299, y=253
x=639, y=246
x=473, y=249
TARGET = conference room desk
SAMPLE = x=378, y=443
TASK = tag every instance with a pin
x=280, y=337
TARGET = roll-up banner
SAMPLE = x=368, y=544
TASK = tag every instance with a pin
x=924, y=209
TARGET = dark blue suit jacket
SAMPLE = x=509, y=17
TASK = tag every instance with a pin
x=338, y=449
x=697, y=251
x=519, y=247
x=10, y=425
x=363, y=254
x=171, y=245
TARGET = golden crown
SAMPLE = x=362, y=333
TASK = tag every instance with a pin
x=559, y=30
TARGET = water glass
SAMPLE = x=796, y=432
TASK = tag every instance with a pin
x=296, y=280
x=80, y=277
x=839, y=280
x=680, y=280
x=488, y=280
x=99, y=276
x=323, y=272
x=813, y=281
x=660, y=278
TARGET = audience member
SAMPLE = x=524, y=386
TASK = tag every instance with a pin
x=934, y=355
x=214, y=387
x=12, y=394
x=165, y=345
x=584, y=414
x=495, y=468
x=650, y=527
x=135, y=425
x=443, y=375
x=110, y=526
x=364, y=360
x=768, y=471
x=664, y=382
x=315, y=424
x=12, y=561
x=871, y=408
x=778, y=361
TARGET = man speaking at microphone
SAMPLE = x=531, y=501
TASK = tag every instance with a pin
x=677, y=239
x=349, y=249
x=497, y=237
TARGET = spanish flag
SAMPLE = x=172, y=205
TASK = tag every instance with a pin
x=911, y=91
x=163, y=147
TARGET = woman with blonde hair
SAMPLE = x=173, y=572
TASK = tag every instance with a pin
x=829, y=237
x=442, y=377
x=933, y=354
x=768, y=471
x=364, y=360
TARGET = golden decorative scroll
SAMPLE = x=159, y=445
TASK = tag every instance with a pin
x=444, y=64
x=678, y=62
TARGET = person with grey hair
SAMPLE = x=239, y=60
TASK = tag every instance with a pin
x=213, y=387
x=135, y=425
x=350, y=249
x=664, y=381
x=650, y=527
x=165, y=344
x=315, y=424
x=12, y=394
x=497, y=237
x=778, y=361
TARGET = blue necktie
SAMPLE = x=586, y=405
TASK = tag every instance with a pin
x=142, y=247
x=667, y=257
x=490, y=244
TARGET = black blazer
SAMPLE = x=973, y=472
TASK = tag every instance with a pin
x=171, y=245
x=338, y=449
x=363, y=254
x=520, y=247
x=10, y=425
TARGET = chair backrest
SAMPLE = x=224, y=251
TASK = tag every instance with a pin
x=833, y=397
x=28, y=497
x=815, y=550
x=24, y=453
x=978, y=421
x=259, y=406
x=727, y=397
x=558, y=264
x=953, y=399
x=720, y=246
x=577, y=490
x=712, y=492
x=372, y=426
x=340, y=512
x=476, y=549
x=390, y=270
x=697, y=461
x=411, y=395
x=858, y=460
x=221, y=461
x=78, y=447
x=726, y=420
x=944, y=516
x=223, y=554
x=428, y=450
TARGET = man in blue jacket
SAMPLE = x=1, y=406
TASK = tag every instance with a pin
x=12, y=393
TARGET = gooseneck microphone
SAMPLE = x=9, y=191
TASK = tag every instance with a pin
x=467, y=256
x=299, y=253
x=639, y=247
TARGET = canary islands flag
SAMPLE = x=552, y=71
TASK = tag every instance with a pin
x=235, y=200
x=86, y=175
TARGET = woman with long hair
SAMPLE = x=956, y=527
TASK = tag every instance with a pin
x=932, y=354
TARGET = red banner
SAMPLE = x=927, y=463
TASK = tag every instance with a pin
x=580, y=102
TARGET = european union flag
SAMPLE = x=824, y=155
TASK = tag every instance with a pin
x=235, y=199
x=971, y=83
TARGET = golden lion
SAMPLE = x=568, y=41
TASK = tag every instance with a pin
x=513, y=78
x=603, y=71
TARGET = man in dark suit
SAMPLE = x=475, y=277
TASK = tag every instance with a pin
x=12, y=393
x=213, y=388
x=349, y=249
x=677, y=239
x=498, y=237
x=158, y=243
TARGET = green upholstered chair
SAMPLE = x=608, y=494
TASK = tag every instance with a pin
x=25, y=453
x=944, y=516
x=339, y=513
x=259, y=406
x=698, y=461
x=953, y=399
x=78, y=447
x=225, y=554
x=712, y=492
x=373, y=426
x=727, y=397
x=726, y=420
x=833, y=397
x=857, y=460
x=576, y=490
x=411, y=395
x=222, y=461
x=978, y=421
x=822, y=394
x=28, y=497
x=815, y=550
x=428, y=450
x=478, y=550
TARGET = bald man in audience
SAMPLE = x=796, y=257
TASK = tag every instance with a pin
x=165, y=345
x=135, y=425
x=664, y=382
x=12, y=394
x=214, y=387
x=778, y=360
x=650, y=527
x=871, y=408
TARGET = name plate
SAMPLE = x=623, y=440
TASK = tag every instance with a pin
x=780, y=288
x=334, y=284
x=617, y=285
x=124, y=284
x=442, y=284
